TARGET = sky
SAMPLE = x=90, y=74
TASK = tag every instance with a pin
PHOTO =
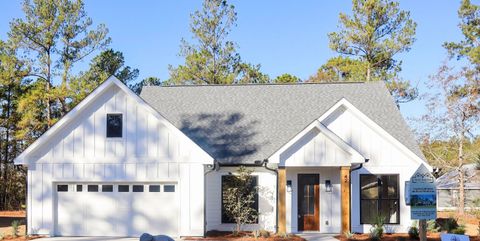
x=282, y=36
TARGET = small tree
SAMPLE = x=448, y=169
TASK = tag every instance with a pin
x=239, y=197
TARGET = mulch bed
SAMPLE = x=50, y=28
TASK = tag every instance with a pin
x=13, y=214
x=397, y=237
x=244, y=236
x=10, y=238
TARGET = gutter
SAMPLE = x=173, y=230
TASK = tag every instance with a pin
x=360, y=166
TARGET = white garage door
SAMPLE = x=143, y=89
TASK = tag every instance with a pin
x=120, y=209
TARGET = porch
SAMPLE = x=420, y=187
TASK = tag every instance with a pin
x=314, y=199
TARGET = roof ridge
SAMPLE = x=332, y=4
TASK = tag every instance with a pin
x=263, y=84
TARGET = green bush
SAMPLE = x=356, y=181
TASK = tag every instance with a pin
x=15, y=228
x=349, y=235
x=376, y=232
x=459, y=230
x=413, y=232
x=432, y=226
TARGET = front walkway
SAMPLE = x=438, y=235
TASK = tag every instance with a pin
x=318, y=236
x=87, y=239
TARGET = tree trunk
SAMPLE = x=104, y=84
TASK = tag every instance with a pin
x=461, y=178
x=461, y=191
x=368, y=72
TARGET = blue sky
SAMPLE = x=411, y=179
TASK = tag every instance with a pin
x=282, y=36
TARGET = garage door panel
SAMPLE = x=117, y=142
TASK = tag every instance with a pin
x=117, y=213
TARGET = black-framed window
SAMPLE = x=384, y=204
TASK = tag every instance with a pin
x=154, y=188
x=92, y=188
x=62, y=188
x=107, y=188
x=137, y=188
x=379, y=197
x=227, y=181
x=123, y=188
x=114, y=125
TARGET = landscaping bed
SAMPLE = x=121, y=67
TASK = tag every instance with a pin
x=247, y=236
x=397, y=237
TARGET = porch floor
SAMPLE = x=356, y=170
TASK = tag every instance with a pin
x=318, y=236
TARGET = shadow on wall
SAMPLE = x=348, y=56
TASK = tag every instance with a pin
x=226, y=137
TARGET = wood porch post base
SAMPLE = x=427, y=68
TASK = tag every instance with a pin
x=345, y=192
x=282, y=217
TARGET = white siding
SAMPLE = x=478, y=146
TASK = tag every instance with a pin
x=385, y=158
x=267, y=200
x=80, y=152
x=314, y=149
x=329, y=205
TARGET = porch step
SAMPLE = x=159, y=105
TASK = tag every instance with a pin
x=318, y=236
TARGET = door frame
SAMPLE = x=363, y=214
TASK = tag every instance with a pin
x=301, y=227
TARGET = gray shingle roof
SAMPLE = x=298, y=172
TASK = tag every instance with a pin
x=244, y=123
x=449, y=180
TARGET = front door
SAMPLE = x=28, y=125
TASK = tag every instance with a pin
x=308, y=202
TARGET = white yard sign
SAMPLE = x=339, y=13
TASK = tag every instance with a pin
x=423, y=195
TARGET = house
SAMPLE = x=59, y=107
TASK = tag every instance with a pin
x=447, y=189
x=325, y=157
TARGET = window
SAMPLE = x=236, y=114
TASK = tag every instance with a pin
x=79, y=188
x=169, y=188
x=379, y=198
x=123, y=188
x=137, y=188
x=114, y=125
x=227, y=182
x=107, y=188
x=62, y=188
x=92, y=188
x=154, y=188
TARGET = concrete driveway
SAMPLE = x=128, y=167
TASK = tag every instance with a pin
x=87, y=239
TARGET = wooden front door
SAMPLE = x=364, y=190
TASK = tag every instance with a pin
x=308, y=202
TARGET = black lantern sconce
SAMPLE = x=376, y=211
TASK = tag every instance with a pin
x=328, y=186
x=289, y=185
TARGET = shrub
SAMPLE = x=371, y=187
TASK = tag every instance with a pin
x=264, y=233
x=413, y=232
x=459, y=230
x=2, y=236
x=376, y=232
x=432, y=226
x=15, y=227
x=447, y=224
x=349, y=235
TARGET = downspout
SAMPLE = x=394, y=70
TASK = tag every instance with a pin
x=209, y=170
x=350, y=194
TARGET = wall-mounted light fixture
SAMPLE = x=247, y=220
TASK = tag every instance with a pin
x=289, y=185
x=328, y=186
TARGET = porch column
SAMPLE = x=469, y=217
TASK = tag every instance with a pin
x=282, y=218
x=345, y=190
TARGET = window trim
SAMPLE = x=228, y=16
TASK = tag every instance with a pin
x=257, y=198
x=379, y=193
x=121, y=125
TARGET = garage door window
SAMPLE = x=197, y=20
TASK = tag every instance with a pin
x=137, y=188
x=79, y=188
x=92, y=188
x=107, y=188
x=62, y=188
x=154, y=188
x=123, y=188
x=169, y=188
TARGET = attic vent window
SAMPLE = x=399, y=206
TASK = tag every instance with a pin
x=114, y=125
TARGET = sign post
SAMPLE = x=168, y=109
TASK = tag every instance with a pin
x=423, y=199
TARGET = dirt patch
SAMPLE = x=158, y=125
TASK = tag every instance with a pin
x=470, y=221
x=244, y=236
x=397, y=237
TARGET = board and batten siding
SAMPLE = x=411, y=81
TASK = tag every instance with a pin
x=149, y=151
x=266, y=200
x=385, y=157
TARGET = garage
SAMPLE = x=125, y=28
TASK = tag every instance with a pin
x=116, y=209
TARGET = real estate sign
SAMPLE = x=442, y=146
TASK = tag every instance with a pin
x=423, y=195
